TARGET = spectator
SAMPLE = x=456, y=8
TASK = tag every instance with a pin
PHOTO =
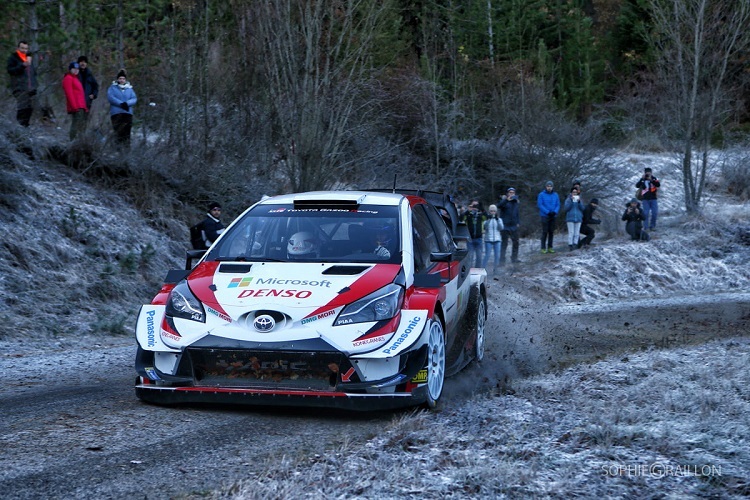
x=573, y=217
x=89, y=83
x=22, y=82
x=211, y=227
x=548, y=203
x=648, y=186
x=634, y=218
x=122, y=98
x=474, y=218
x=509, y=213
x=75, y=101
x=492, y=228
x=588, y=221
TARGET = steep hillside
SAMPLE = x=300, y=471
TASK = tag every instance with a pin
x=76, y=259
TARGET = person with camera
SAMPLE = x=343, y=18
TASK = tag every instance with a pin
x=649, y=186
x=474, y=219
x=22, y=73
x=573, y=217
x=548, y=203
x=588, y=221
x=633, y=217
x=510, y=215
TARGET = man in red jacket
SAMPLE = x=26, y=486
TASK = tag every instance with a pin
x=75, y=100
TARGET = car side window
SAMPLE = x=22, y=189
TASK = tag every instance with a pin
x=425, y=241
x=442, y=234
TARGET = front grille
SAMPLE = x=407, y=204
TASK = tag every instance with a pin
x=267, y=369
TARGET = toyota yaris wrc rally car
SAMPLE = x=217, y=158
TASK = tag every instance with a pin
x=354, y=300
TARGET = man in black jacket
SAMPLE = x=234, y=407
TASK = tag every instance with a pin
x=22, y=82
x=88, y=82
x=211, y=227
x=588, y=221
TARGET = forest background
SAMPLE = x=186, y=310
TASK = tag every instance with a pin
x=240, y=98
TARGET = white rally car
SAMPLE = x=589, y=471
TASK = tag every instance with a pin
x=355, y=300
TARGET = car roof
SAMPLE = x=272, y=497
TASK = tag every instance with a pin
x=336, y=197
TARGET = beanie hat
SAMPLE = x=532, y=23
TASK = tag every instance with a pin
x=549, y=183
x=647, y=169
x=595, y=201
x=510, y=189
x=72, y=65
x=632, y=200
x=213, y=205
x=121, y=73
x=83, y=59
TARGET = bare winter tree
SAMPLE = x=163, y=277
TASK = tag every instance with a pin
x=697, y=41
x=317, y=63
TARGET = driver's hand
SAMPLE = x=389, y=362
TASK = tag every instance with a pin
x=381, y=251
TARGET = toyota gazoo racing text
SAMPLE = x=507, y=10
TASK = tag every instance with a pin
x=354, y=300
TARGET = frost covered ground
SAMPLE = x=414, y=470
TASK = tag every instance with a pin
x=663, y=423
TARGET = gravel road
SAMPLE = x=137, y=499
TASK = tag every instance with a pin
x=72, y=427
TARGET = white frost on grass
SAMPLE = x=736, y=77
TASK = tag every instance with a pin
x=671, y=423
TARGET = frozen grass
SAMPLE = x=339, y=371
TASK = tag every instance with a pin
x=661, y=423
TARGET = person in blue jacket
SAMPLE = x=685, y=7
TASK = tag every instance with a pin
x=122, y=99
x=573, y=217
x=548, y=203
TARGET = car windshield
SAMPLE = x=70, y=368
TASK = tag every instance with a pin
x=281, y=233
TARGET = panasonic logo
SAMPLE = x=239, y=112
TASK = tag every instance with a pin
x=151, y=328
x=400, y=340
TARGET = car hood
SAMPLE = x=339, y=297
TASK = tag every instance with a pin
x=298, y=290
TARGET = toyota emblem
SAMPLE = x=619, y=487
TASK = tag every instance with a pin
x=264, y=323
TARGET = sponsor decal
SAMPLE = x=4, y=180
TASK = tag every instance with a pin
x=173, y=338
x=151, y=328
x=344, y=322
x=217, y=313
x=151, y=373
x=277, y=281
x=246, y=282
x=317, y=317
x=400, y=340
x=420, y=377
x=368, y=341
x=240, y=282
x=272, y=292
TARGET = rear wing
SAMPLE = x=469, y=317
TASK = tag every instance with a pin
x=443, y=202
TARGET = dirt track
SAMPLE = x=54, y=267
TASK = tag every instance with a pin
x=73, y=428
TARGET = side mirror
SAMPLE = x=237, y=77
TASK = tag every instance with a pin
x=441, y=257
x=191, y=255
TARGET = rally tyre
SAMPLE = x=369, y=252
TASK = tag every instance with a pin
x=478, y=311
x=435, y=362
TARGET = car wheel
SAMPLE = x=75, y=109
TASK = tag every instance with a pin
x=481, y=319
x=435, y=362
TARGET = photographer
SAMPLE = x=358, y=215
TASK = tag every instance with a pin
x=633, y=218
x=649, y=186
x=474, y=219
x=588, y=221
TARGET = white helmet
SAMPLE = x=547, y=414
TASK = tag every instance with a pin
x=302, y=244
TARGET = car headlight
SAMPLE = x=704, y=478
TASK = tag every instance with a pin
x=379, y=305
x=183, y=304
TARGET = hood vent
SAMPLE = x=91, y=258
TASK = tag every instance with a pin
x=346, y=270
x=235, y=268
